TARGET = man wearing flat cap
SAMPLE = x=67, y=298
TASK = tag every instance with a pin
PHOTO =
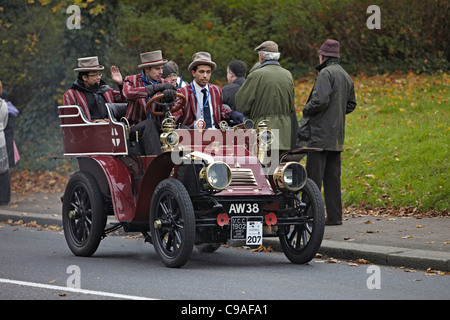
x=90, y=92
x=268, y=94
x=323, y=126
x=138, y=89
x=203, y=100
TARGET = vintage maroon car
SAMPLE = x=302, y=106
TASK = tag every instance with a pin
x=206, y=187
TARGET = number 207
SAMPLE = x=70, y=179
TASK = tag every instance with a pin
x=253, y=239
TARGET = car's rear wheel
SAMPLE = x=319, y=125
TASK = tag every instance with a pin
x=301, y=242
x=83, y=216
x=172, y=223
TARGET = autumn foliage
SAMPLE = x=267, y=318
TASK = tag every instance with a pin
x=397, y=138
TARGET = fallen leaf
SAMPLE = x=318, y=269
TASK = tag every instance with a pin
x=332, y=260
x=363, y=261
x=261, y=248
x=406, y=237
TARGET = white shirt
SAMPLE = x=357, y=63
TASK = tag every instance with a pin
x=199, y=95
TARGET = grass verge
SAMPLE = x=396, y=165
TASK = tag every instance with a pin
x=397, y=142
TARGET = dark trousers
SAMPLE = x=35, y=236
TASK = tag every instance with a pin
x=148, y=136
x=325, y=168
x=5, y=188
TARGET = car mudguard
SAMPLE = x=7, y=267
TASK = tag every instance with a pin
x=114, y=179
x=159, y=169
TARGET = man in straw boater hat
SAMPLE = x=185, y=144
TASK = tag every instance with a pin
x=90, y=92
x=204, y=104
x=323, y=126
x=138, y=89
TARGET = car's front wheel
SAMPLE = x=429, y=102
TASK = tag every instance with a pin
x=301, y=242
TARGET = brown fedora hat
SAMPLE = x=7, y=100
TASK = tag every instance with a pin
x=88, y=64
x=202, y=58
x=151, y=59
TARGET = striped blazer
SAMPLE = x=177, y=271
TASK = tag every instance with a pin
x=76, y=97
x=188, y=115
x=136, y=95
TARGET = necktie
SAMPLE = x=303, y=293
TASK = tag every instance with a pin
x=206, y=111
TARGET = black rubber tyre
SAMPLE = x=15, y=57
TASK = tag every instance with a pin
x=300, y=243
x=172, y=209
x=83, y=216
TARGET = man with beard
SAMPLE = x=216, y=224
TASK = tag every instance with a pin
x=90, y=92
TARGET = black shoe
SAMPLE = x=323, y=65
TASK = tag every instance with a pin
x=333, y=223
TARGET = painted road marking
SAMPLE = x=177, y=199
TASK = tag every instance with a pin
x=76, y=290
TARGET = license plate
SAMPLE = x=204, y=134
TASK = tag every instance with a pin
x=249, y=229
x=244, y=208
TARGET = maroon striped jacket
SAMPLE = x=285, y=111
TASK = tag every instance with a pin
x=76, y=97
x=188, y=115
x=136, y=95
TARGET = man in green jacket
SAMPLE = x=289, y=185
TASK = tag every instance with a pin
x=268, y=94
x=323, y=126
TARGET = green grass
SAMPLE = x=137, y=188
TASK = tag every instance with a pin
x=397, y=143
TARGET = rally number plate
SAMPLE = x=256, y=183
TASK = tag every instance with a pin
x=249, y=229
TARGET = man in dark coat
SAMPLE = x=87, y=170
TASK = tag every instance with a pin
x=323, y=126
x=236, y=71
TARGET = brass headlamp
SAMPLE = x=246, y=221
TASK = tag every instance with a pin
x=169, y=138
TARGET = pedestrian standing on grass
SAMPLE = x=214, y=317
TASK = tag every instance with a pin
x=323, y=126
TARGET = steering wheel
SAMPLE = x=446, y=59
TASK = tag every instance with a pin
x=172, y=110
